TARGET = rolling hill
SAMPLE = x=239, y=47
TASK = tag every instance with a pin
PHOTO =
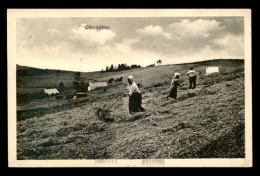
x=206, y=122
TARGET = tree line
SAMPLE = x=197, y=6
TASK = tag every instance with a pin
x=120, y=67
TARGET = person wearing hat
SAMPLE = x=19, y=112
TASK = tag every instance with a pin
x=173, y=87
x=135, y=97
x=192, y=78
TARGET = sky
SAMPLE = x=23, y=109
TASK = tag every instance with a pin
x=66, y=43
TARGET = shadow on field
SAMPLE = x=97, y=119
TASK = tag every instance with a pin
x=230, y=145
x=138, y=116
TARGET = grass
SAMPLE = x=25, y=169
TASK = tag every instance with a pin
x=208, y=122
x=150, y=77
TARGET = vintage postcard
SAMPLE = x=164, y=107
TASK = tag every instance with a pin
x=129, y=88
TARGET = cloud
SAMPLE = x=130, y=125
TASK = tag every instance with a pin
x=92, y=36
x=228, y=40
x=197, y=28
x=154, y=31
x=233, y=44
x=122, y=52
x=74, y=48
x=185, y=35
x=53, y=31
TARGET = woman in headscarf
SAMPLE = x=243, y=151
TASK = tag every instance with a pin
x=173, y=87
x=135, y=97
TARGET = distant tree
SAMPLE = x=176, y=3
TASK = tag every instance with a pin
x=106, y=68
x=77, y=76
x=111, y=68
x=159, y=62
x=135, y=66
x=42, y=94
x=57, y=71
x=61, y=87
x=75, y=83
x=83, y=87
x=78, y=84
x=123, y=67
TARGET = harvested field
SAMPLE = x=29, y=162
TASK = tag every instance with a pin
x=206, y=122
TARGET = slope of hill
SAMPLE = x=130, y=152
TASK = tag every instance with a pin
x=30, y=84
x=206, y=122
x=49, y=78
x=218, y=62
x=29, y=78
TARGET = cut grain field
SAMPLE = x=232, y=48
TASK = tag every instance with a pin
x=206, y=122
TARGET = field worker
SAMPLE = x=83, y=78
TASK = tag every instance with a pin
x=192, y=78
x=173, y=87
x=135, y=97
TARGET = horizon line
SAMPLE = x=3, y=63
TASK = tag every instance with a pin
x=133, y=64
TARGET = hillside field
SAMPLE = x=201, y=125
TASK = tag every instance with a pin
x=206, y=122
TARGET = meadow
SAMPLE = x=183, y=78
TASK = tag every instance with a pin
x=206, y=122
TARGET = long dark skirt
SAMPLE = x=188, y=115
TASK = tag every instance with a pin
x=173, y=92
x=135, y=102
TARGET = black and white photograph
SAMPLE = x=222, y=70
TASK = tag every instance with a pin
x=129, y=88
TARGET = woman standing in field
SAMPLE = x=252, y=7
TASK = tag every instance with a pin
x=173, y=87
x=135, y=97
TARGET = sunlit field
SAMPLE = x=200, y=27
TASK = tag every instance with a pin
x=206, y=122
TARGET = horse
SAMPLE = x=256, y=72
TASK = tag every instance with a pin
x=119, y=79
x=110, y=81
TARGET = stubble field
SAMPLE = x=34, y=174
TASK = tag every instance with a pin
x=206, y=122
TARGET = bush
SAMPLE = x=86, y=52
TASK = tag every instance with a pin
x=58, y=97
x=69, y=96
x=61, y=87
x=80, y=86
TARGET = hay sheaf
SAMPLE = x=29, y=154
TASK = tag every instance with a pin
x=95, y=128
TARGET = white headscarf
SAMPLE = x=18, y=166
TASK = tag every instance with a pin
x=131, y=78
x=176, y=74
x=132, y=87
